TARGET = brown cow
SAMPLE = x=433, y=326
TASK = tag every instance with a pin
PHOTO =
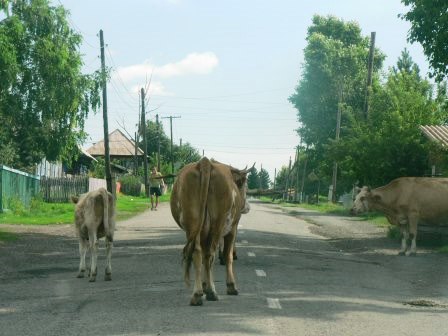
x=207, y=201
x=405, y=202
x=94, y=219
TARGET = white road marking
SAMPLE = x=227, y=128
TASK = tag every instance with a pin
x=260, y=273
x=244, y=242
x=274, y=303
x=251, y=254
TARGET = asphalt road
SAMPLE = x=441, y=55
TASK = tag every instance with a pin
x=298, y=274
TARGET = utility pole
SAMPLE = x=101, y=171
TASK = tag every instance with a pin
x=338, y=129
x=297, y=196
x=369, y=74
x=136, y=152
x=171, y=147
x=158, y=142
x=105, y=122
x=287, y=180
x=275, y=176
x=145, y=157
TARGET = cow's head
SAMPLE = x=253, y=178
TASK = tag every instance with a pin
x=361, y=201
x=240, y=179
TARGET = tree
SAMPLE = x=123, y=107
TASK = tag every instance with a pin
x=253, y=181
x=264, y=179
x=429, y=26
x=334, y=72
x=44, y=97
x=391, y=144
x=335, y=60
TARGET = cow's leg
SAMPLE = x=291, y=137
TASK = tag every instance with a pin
x=108, y=273
x=404, y=238
x=222, y=260
x=83, y=246
x=196, y=298
x=413, y=221
x=210, y=290
x=229, y=241
x=94, y=254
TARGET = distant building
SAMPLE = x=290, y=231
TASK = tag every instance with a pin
x=122, y=151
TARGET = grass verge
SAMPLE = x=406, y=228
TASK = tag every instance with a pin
x=42, y=213
x=8, y=236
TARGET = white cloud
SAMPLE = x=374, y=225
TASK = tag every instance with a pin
x=192, y=64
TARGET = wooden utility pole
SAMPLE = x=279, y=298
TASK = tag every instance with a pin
x=287, y=181
x=136, y=153
x=297, y=196
x=145, y=157
x=171, y=146
x=158, y=142
x=369, y=74
x=105, y=122
x=275, y=176
x=338, y=130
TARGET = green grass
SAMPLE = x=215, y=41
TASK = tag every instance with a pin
x=42, y=213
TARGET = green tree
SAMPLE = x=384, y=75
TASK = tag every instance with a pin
x=280, y=179
x=334, y=70
x=263, y=176
x=253, y=181
x=44, y=97
x=429, y=27
x=391, y=144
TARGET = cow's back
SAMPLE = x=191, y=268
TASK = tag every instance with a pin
x=428, y=197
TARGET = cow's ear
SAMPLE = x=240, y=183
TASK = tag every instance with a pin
x=74, y=199
x=239, y=179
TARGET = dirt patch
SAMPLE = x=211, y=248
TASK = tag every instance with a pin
x=424, y=304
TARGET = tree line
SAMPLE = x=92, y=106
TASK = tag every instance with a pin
x=386, y=143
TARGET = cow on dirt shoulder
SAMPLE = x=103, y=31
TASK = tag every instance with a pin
x=207, y=201
x=94, y=219
x=406, y=202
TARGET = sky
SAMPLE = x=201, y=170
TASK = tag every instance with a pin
x=225, y=68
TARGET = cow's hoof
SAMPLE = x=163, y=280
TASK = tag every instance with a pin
x=222, y=261
x=211, y=296
x=231, y=289
x=92, y=279
x=196, y=299
x=108, y=277
x=80, y=274
x=401, y=253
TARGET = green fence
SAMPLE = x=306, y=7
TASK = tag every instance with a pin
x=15, y=184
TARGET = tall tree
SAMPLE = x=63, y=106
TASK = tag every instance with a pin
x=429, y=27
x=335, y=60
x=265, y=181
x=391, y=144
x=44, y=97
x=253, y=181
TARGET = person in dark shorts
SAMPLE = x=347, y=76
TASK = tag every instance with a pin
x=156, y=184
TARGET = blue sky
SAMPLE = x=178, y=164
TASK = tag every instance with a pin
x=226, y=68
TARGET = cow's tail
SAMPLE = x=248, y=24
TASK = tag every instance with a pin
x=194, y=240
x=107, y=228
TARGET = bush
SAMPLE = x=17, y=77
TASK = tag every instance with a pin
x=130, y=185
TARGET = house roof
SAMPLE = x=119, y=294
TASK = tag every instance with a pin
x=437, y=134
x=119, y=145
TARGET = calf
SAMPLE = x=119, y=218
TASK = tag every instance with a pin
x=94, y=219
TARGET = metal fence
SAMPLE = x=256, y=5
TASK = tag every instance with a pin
x=15, y=184
x=59, y=189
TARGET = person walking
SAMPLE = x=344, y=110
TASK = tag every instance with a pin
x=156, y=185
